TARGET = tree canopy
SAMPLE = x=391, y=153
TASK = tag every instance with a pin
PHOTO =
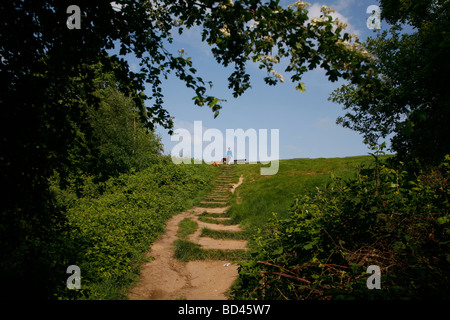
x=50, y=91
x=62, y=93
x=407, y=97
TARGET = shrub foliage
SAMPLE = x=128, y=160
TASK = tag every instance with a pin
x=385, y=217
x=110, y=230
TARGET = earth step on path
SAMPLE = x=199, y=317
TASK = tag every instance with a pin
x=166, y=278
x=224, y=195
x=217, y=196
x=219, y=199
x=215, y=199
x=200, y=210
x=209, y=204
x=221, y=192
x=220, y=195
x=209, y=243
x=219, y=219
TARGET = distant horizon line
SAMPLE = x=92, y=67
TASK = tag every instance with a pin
x=302, y=158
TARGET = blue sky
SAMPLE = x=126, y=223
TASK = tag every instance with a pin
x=306, y=121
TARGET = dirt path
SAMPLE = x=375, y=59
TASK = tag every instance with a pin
x=166, y=278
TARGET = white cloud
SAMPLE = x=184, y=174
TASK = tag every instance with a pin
x=324, y=124
x=304, y=138
x=185, y=140
x=189, y=126
x=191, y=38
x=293, y=148
x=134, y=67
x=340, y=5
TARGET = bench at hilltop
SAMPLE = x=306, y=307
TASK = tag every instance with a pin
x=224, y=160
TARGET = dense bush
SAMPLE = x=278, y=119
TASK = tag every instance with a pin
x=109, y=230
x=385, y=217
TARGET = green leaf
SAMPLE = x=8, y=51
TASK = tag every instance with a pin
x=279, y=250
x=301, y=87
x=355, y=268
x=309, y=246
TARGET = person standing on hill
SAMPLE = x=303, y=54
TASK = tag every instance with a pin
x=229, y=155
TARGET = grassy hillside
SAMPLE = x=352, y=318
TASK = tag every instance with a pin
x=259, y=196
x=328, y=232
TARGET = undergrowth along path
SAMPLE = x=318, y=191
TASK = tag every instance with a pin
x=203, y=269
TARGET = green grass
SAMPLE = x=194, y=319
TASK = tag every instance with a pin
x=211, y=220
x=189, y=251
x=216, y=234
x=259, y=196
x=215, y=215
x=213, y=205
x=186, y=227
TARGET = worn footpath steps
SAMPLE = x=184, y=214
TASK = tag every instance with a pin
x=218, y=198
x=168, y=278
x=220, y=194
